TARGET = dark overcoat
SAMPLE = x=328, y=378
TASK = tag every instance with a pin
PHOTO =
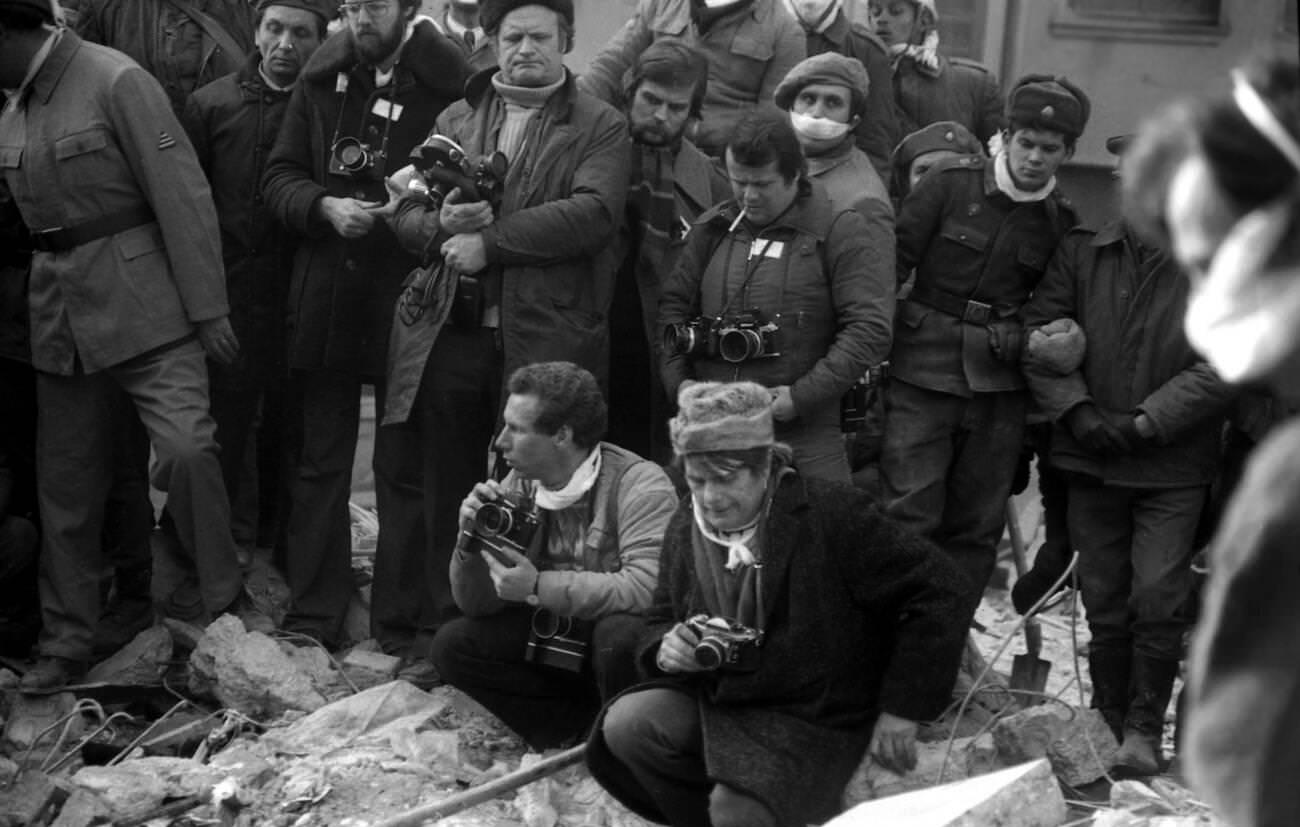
x=862, y=616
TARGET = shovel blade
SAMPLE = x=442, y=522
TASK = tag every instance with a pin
x=1029, y=673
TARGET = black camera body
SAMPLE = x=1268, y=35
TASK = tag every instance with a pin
x=355, y=159
x=749, y=335
x=442, y=165
x=696, y=337
x=724, y=645
x=509, y=522
x=558, y=641
x=856, y=401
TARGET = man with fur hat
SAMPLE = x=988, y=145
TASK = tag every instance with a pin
x=923, y=149
x=1137, y=425
x=843, y=625
x=978, y=233
x=367, y=96
x=828, y=28
x=233, y=123
x=749, y=44
x=534, y=273
x=928, y=86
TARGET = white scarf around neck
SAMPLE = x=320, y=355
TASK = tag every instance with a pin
x=581, y=481
x=735, y=542
x=1002, y=172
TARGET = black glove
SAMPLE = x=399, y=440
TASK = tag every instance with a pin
x=1007, y=340
x=1102, y=432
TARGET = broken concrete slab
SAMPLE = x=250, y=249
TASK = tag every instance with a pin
x=140, y=663
x=180, y=776
x=369, y=668
x=345, y=720
x=31, y=715
x=248, y=671
x=968, y=757
x=83, y=809
x=131, y=793
x=29, y=800
x=1022, y=796
x=1077, y=741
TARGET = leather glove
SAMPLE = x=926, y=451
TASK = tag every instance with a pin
x=1006, y=340
x=1102, y=432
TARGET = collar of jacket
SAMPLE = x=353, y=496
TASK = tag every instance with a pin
x=811, y=213
x=479, y=88
x=820, y=164
x=421, y=57
x=1113, y=232
x=47, y=77
x=251, y=83
x=921, y=69
x=674, y=16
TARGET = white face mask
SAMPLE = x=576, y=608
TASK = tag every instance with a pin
x=817, y=129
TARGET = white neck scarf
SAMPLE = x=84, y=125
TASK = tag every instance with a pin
x=575, y=489
x=925, y=54
x=1002, y=171
x=735, y=542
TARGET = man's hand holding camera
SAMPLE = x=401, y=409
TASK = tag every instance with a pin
x=465, y=250
x=515, y=579
x=350, y=217
x=677, y=650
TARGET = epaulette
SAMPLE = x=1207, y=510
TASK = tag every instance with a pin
x=970, y=64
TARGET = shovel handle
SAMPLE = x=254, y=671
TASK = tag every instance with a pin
x=1033, y=637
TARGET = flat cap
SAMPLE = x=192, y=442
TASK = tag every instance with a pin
x=1049, y=102
x=829, y=67
x=45, y=8
x=324, y=9
x=938, y=135
x=491, y=12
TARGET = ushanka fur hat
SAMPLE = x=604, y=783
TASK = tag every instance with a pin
x=722, y=416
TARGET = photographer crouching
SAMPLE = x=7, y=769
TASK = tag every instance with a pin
x=793, y=627
x=555, y=564
x=774, y=287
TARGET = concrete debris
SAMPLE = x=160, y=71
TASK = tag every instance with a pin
x=1022, y=796
x=369, y=668
x=8, y=769
x=1161, y=804
x=8, y=679
x=185, y=636
x=969, y=757
x=130, y=793
x=29, y=799
x=248, y=762
x=249, y=672
x=1077, y=741
x=30, y=715
x=180, y=776
x=140, y=663
x=83, y=809
x=534, y=800
x=342, y=722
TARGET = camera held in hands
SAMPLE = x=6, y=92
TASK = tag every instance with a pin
x=441, y=166
x=353, y=158
x=724, y=645
x=749, y=335
x=856, y=401
x=558, y=641
x=509, y=522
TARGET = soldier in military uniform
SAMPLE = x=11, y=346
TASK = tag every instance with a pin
x=928, y=86
x=978, y=232
x=126, y=294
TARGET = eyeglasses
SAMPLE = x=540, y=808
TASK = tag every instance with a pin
x=375, y=9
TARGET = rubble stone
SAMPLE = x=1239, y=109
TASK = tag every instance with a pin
x=345, y=720
x=180, y=776
x=31, y=796
x=185, y=636
x=247, y=763
x=969, y=757
x=140, y=663
x=1077, y=741
x=83, y=809
x=248, y=671
x=8, y=679
x=370, y=668
x=33, y=714
x=131, y=793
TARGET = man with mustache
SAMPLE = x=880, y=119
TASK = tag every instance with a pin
x=368, y=95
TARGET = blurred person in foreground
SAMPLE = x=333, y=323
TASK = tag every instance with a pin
x=1220, y=180
x=794, y=627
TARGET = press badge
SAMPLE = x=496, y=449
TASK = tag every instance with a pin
x=387, y=109
x=765, y=247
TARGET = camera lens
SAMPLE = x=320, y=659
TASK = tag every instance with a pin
x=493, y=520
x=738, y=344
x=351, y=154
x=680, y=338
x=709, y=653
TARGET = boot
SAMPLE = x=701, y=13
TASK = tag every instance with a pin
x=1152, y=684
x=128, y=613
x=1109, y=668
x=51, y=674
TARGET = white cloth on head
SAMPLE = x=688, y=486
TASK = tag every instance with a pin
x=580, y=482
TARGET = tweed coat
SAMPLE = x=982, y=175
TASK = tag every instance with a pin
x=862, y=616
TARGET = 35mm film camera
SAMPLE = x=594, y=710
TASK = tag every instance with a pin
x=356, y=159
x=558, y=641
x=725, y=645
x=738, y=338
x=856, y=401
x=510, y=522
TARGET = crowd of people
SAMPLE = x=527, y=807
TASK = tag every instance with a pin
x=633, y=335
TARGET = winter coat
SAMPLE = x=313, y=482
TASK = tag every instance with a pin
x=167, y=42
x=233, y=123
x=552, y=241
x=969, y=240
x=749, y=52
x=958, y=90
x=861, y=617
x=342, y=292
x=1243, y=684
x=616, y=568
x=881, y=128
x=93, y=138
x=1138, y=359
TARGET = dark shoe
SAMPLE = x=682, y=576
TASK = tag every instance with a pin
x=1110, y=670
x=50, y=674
x=420, y=673
x=253, y=618
x=120, y=623
x=1139, y=755
x=184, y=603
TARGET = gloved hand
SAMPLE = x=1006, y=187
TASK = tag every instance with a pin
x=1100, y=431
x=1006, y=340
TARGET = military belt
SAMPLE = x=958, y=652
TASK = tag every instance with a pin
x=62, y=239
x=968, y=310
